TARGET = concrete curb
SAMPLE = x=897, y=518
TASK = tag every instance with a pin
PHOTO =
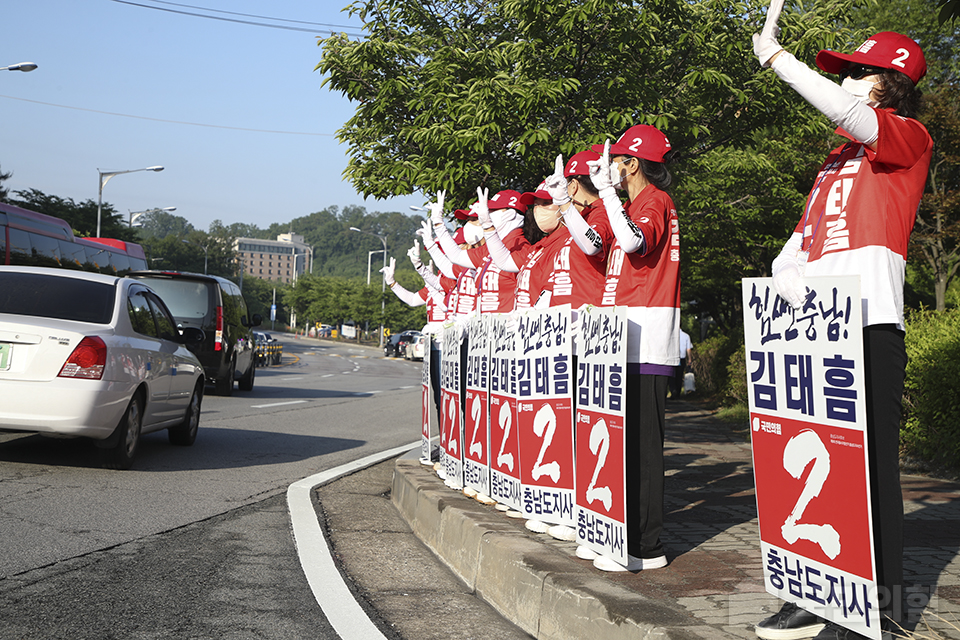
x=547, y=593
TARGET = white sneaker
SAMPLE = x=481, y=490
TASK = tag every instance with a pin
x=633, y=564
x=563, y=532
x=515, y=514
x=537, y=526
x=484, y=499
x=470, y=493
x=586, y=553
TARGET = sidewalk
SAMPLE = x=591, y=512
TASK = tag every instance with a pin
x=713, y=586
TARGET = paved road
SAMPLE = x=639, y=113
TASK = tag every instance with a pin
x=193, y=542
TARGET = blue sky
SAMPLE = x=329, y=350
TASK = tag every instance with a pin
x=106, y=56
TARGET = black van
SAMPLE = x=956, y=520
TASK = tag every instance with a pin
x=215, y=305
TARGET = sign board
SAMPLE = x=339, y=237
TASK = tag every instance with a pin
x=805, y=378
x=544, y=369
x=451, y=418
x=476, y=450
x=504, y=444
x=601, y=496
x=425, y=427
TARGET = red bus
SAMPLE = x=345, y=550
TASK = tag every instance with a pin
x=31, y=238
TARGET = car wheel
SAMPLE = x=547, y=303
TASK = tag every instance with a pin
x=224, y=385
x=185, y=433
x=121, y=455
x=246, y=382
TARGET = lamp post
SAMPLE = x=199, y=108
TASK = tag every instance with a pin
x=383, y=289
x=204, y=253
x=136, y=214
x=105, y=178
x=370, y=255
x=20, y=66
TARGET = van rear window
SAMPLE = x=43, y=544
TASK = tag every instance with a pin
x=186, y=299
x=48, y=296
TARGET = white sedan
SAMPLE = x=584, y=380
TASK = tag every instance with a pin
x=96, y=356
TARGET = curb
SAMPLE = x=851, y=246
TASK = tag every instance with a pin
x=546, y=592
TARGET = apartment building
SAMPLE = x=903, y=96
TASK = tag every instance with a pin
x=281, y=260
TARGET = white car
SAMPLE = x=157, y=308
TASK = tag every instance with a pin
x=96, y=356
x=416, y=347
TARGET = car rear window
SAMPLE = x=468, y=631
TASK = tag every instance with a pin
x=49, y=296
x=186, y=299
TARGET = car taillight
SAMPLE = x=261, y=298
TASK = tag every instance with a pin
x=218, y=341
x=87, y=360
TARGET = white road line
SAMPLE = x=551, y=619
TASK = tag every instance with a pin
x=409, y=387
x=346, y=616
x=276, y=404
x=291, y=379
x=328, y=375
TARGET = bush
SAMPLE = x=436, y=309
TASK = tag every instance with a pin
x=710, y=360
x=931, y=399
x=736, y=388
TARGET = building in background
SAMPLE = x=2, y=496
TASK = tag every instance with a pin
x=281, y=260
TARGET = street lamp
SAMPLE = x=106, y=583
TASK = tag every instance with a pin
x=204, y=253
x=383, y=289
x=136, y=214
x=20, y=66
x=105, y=178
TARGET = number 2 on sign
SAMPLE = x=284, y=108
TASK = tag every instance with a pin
x=599, y=441
x=504, y=419
x=544, y=426
x=801, y=449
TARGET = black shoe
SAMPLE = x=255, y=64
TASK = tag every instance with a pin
x=790, y=623
x=834, y=631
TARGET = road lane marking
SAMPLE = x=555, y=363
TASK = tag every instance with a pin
x=291, y=379
x=276, y=404
x=328, y=375
x=336, y=601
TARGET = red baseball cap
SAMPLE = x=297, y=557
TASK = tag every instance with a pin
x=887, y=50
x=541, y=192
x=507, y=199
x=577, y=164
x=639, y=141
x=465, y=214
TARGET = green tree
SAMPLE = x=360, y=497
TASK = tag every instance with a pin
x=160, y=224
x=460, y=93
x=4, y=194
x=936, y=234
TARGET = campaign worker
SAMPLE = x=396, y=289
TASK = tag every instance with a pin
x=873, y=183
x=495, y=286
x=643, y=275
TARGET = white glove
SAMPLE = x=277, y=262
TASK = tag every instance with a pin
x=388, y=272
x=601, y=173
x=481, y=208
x=788, y=283
x=556, y=184
x=436, y=209
x=426, y=232
x=765, y=44
x=414, y=254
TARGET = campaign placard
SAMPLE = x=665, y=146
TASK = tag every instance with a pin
x=544, y=366
x=476, y=449
x=805, y=378
x=451, y=423
x=427, y=400
x=601, y=497
x=504, y=443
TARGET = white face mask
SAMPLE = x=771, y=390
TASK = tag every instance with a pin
x=547, y=217
x=472, y=233
x=505, y=220
x=860, y=89
x=615, y=176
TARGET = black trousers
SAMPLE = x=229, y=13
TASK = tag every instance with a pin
x=885, y=362
x=643, y=431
